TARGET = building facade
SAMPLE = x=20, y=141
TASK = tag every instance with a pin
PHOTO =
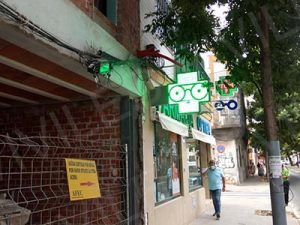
x=229, y=123
x=81, y=99
x=70, y=87
x=176, y=145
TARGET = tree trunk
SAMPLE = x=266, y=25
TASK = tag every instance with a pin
x=290, y=159
x=267, y=85
x=276, y=190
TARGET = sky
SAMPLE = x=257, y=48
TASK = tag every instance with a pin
x=220, y=12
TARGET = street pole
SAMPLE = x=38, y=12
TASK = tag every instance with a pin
x=274, y=156
x=276, y=185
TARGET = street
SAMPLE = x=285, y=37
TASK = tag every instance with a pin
x=295, y=188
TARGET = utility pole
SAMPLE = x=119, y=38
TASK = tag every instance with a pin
x=274, y=156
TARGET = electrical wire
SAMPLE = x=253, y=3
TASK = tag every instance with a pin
x=28, y=25
x=138, y=76
x=136, y=87
x=110, y=83
x=85, y=58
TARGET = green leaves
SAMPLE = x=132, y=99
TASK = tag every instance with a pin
x=289, y=121
x=189, y=28
x=186, y=26
x=240, y=45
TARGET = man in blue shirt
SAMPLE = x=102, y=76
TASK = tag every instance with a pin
x=216, y=184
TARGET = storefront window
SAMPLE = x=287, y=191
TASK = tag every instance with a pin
x=193, y=160
x=166, y=164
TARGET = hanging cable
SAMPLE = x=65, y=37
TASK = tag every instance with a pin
x=89, y=60
x=14, y=16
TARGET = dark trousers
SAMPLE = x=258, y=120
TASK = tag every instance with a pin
x=216, y=197
x=286, y=188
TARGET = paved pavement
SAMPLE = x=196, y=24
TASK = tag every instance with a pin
x=245, y=204
x=295, y=168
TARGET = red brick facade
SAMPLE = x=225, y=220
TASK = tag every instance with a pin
x=127, y=29
x=97, y=120
x=39, y=172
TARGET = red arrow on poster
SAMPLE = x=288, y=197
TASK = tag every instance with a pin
x=88, y=183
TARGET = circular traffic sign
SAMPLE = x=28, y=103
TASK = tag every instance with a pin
x=221, y=148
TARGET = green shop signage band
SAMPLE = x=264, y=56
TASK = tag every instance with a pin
x=189, y=92
x=173, y=112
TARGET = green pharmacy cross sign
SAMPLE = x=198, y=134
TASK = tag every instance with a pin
x=189, y=92
x=225, y=87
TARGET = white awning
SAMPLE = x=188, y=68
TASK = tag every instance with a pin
x=172, y=125
x=203, y=137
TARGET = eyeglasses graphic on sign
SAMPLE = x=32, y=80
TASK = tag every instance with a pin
x=189, y=92
x=179, y=92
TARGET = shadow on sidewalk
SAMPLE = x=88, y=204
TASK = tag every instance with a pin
x=251, y=185
x=245, y=204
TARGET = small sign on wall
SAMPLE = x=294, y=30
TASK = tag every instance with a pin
x=221, y=148
x=275, y=166
x=82, y=179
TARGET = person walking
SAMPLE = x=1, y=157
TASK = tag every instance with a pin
x=251, y=168
x=216, y=184
x=285, y=173
x=261, y=171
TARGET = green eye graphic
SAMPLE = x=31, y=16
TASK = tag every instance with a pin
x=198, y=92
x=177, y=94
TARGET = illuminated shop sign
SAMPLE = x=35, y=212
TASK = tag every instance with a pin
x=173, y=112
x=203, y=125
x=225, y=87
x=189, y=92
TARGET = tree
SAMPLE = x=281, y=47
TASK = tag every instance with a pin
x=288, y=117
x=289, y=123
x=185, y=26
x=257, y=32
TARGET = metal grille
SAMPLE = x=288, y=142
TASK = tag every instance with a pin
x=33, y=177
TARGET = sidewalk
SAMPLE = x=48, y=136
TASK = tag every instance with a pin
x=295, y=168
x=245, y=204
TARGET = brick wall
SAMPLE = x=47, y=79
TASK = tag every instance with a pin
x=36, y=176
x=66, y=120
x=127, y=29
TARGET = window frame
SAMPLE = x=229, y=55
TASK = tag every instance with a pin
x=197, y=155
x=110, y=11
x=155, y=166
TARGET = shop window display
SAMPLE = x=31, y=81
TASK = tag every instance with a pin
x=166, y=164
x=193, y=160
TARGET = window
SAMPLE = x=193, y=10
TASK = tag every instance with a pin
x=193, y=160
x=108, y=8
x=166, y=164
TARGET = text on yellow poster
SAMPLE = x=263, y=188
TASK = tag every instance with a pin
x=82, y=179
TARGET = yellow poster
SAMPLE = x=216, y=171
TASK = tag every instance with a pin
x=82, y=179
